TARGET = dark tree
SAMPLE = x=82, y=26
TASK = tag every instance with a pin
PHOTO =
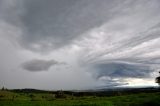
x=3, y=88
x=158, y=80
x=60, y=94
x=32, y=97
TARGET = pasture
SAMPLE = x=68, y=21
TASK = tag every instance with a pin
x=10, y=98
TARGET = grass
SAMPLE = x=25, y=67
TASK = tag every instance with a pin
x=45, y=99
x=56, y=103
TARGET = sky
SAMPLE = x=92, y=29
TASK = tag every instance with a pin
x=79, y=44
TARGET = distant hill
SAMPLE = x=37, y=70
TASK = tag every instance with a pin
x=97, y=92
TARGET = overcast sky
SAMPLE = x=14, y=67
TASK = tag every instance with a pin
x=79, y=44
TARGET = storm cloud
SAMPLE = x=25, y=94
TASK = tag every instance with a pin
x=105, y=43
x=121, y=70
x=51, y=24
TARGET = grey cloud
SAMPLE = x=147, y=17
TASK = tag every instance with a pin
x=111, y=84
x=39, y=65
x=60, y=23
x=122, y=70
x=120, y=44
x=50, y=24
x=143, y=37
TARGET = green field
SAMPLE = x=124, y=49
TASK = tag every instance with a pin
x=8, y=98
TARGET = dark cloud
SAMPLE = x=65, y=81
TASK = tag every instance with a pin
x=122, y=70
x=50, y=24
x=111, y=85
x=38, y=65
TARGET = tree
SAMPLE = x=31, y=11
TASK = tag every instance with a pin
x=32, y=97
x=3, y=88
x=60, y=94
x=158, y=80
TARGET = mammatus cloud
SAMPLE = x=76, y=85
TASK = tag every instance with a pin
x=39, y=65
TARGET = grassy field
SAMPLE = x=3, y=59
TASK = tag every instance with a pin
x=8, y=98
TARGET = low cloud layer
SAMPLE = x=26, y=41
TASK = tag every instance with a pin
x=105, y=43
x=39, y=65
x=121, y=70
